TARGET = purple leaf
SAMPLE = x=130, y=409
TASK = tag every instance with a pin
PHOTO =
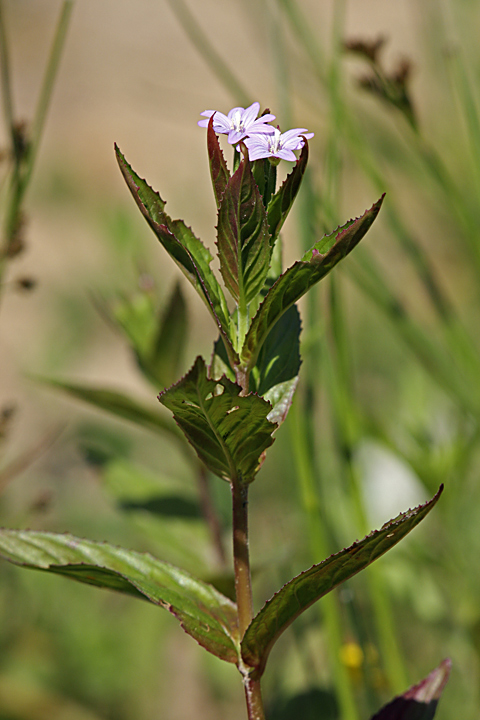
x=280, y=204
x=420, y=701
x=243, y=239
x=218, y=166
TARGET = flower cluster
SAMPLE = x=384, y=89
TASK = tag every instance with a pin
x=261, y=139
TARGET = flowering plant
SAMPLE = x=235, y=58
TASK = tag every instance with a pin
x=231, y=408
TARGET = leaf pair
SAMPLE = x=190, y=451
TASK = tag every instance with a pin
x=246, y=236
x=203, y=612
x=228, y=431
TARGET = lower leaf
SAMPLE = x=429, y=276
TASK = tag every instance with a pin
x=203, y=612
x=308, y=587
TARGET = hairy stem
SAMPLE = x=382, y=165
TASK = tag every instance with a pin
x=253, y=697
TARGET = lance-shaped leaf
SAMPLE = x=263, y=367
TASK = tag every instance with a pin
x=420, y=701
x=229, y=432
x=166, y=352
x=275, y=376
x=243, y=239
x=279, y=358
x=305, y=589
x=280, y=204
x=218, y=166
x=191, y=256
x=204, y=613
x=300, y=277
x=119, y=405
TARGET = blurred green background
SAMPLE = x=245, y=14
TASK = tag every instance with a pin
x=389, y=401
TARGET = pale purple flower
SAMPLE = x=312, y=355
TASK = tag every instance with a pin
x=239, y=122
x=278, y=145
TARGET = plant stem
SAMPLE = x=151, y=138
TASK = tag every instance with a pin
x=48, y=84
x=24, y=160
x=253, y=696
x=6, y=85
x=243, y=590
x=241, y=558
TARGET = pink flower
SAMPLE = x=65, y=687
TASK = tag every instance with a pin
x=276, y=145
x=239, y=122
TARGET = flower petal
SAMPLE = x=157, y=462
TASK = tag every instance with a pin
x=250, y=114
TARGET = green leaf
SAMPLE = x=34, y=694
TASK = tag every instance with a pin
x=279, y=358
x=301, y=276
x=219, y=364
x=166, y=353
x=203, y=612
x=135, y=314
x=305, y=589
x=280, y=398
x=191, y=256
x=281, y=203
x=218, y=166
x=120, y=405
x=275, y=376
x=243, y=239
x=229, y=432
x=420, y=701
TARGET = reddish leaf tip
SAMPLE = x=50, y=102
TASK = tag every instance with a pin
x=431, y=687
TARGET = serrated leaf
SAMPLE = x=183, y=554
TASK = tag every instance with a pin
x=420, y=701
x=119, y=405
x=166, y=354
x=229, y=432
x=301, y=276
x=305, y=589
x=243, y=239
x=189, y=253
x=218, y=167
x=203, y=612
x=281, y=203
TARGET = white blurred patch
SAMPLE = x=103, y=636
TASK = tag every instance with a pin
x=389, y=484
